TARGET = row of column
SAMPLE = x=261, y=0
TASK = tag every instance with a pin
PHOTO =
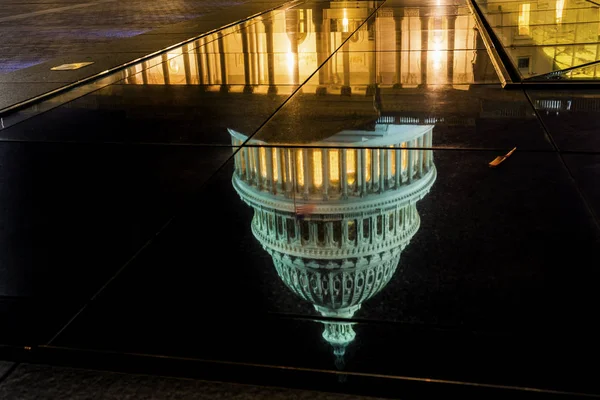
x=351, y=232
x=326, y=173
x=215, y=71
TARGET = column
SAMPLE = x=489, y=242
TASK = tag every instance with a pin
x=270, y=184
x=398, y=21
x=325, y=167
x=424, y=49
x=200, y=62
x=208, y=66
x=382, y=174
x=257, y=164
x=165, y=69
x=286, y=173
x=145, y=72
x=346, y=89
x=270, y=56
x=420, y=155
x=279, y=168
x=363, y=174
x=430, y=144
x=223, y=62
x=398, y=176
x=388, y=167
x=359, y=172
x=247, y=160
x=307, y=172
x=246, y=53
x=321, y=36
x=186, y=65
x=451, y=47
x=410, y=163
x=343, y=177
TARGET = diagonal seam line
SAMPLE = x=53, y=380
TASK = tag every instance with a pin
x=147, y=244
x=9, y=371
x=310, y=76
x=562, y=160
x=141, y=62
x=90, y=79
x=110, y=280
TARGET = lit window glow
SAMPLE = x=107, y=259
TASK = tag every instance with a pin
x=524, y=11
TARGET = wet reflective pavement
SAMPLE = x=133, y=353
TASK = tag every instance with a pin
x=304, y=199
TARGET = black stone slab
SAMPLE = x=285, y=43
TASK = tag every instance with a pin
x=571, y=118
x=484, y=280
x=150, y=114
x=32, y=381
x=586, y=171
x=72, y=215
x=469, y=116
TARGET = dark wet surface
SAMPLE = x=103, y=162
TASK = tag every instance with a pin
x=311, y=190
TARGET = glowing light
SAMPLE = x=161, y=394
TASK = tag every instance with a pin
x=351, y=166
x=523, y=21
x=300, y=168
x=345, y=22
x=560, y=5
x=334, y=166
x=275, y=165
x=404, y=157
x=317, y=168
x=393, y=162
x=263, y=162
x=376, y=162
x=368, y=166
x=290, y=61
x=173, y=63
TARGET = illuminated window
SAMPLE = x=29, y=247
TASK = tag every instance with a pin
x=334, y=166
x=393, y=162
x=523, y=62
x=317, y=168
x=560, y=5
x=524, y=10
x=351, y=166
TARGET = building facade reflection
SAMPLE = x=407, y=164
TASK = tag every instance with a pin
x=547, y=35
x=408, y=46
x=335, y=217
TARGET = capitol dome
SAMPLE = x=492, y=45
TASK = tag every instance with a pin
x=336, y=215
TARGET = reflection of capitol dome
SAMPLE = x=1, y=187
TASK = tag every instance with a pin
x=335, y=220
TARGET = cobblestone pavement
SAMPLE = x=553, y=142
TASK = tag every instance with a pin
x=34, y=31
